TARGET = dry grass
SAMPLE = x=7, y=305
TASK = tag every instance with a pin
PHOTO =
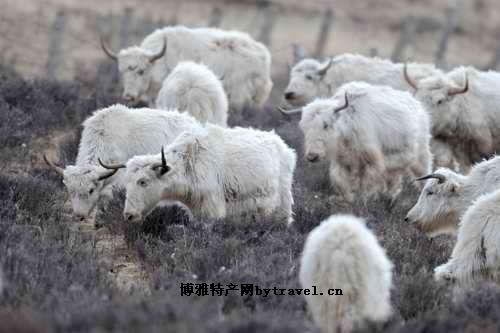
x=57, y=280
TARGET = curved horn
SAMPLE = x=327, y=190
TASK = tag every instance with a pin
x=322, y=71
x=408, y=79
x=163, y=159
x=163, y=165
x=107, y=175
x=107, y=50
x=161, y=53
x=453, y=92
x=343, y=107
x=111, y=166
x=289, y=112
x=441, y=179
x=56, y=168
x=114, y=169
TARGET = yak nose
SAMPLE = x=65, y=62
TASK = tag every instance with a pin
x=131, y=217
x=312, y=157
x=80, y=217
x=289, y=95
x=407, y=219
x=128, y=97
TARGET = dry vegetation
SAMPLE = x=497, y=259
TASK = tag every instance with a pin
x=62, y=277
x=57, y=280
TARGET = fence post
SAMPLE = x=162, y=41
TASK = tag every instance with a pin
x=125, y=23
x=173, y=20
x=106, y=28
x=215, y=17
x=452, y=15
x=373, y=52
x=495, y=60
x=56, y=34
x=264, y=9
x=322, y=41
x=145, y=26
x=161, y=23
x=406, y=38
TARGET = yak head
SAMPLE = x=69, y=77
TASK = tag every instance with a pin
x=85, y=185
x=169, y=175
x=306, y=81
x=437, y=209
x=135, y=65
x=445, y=98
x=318, y=123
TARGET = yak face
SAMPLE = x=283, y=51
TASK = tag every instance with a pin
x=150, y=181
x=441, y=96
x=437, y=209
x=318, y=123
x=306, y=80
x=136, y=70
x=84, y=187
x=144, y=184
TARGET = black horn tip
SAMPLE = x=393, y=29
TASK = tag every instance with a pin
x=441, y=179
x=110, y=167
x=346, y=103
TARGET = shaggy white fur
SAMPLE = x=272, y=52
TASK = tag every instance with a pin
x=244, y=63
x=379, y=137
x=308, y=82
x=477, y=251
x=116, y=134
x=216, y=172
x=440, y=206
x=469, y=121
x=194, y=88
x=342, y=253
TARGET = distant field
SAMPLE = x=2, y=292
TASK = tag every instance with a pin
x=31, y=30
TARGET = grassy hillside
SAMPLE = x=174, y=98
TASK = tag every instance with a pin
x=58, y=279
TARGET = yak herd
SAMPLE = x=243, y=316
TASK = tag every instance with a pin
x=376, y=122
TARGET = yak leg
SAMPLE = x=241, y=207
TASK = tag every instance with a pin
x=340, y=178
x=372, y=168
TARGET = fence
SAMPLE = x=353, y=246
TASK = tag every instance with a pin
x=58, y=39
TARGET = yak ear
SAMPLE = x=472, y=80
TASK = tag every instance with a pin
x=454, y=187
x=192, y=154
x=192, y=149
x=159, y=172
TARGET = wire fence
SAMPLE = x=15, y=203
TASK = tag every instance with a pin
x=56, y=41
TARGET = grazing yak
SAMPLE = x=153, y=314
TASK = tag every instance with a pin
x=216, y=172
x=464, y=105
x=194, y=88
x=310, y=79
x=372, y=135
x=447, y=195
x=115, y=134
x=244, y=63
x=476, y=254
x=342, y=253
